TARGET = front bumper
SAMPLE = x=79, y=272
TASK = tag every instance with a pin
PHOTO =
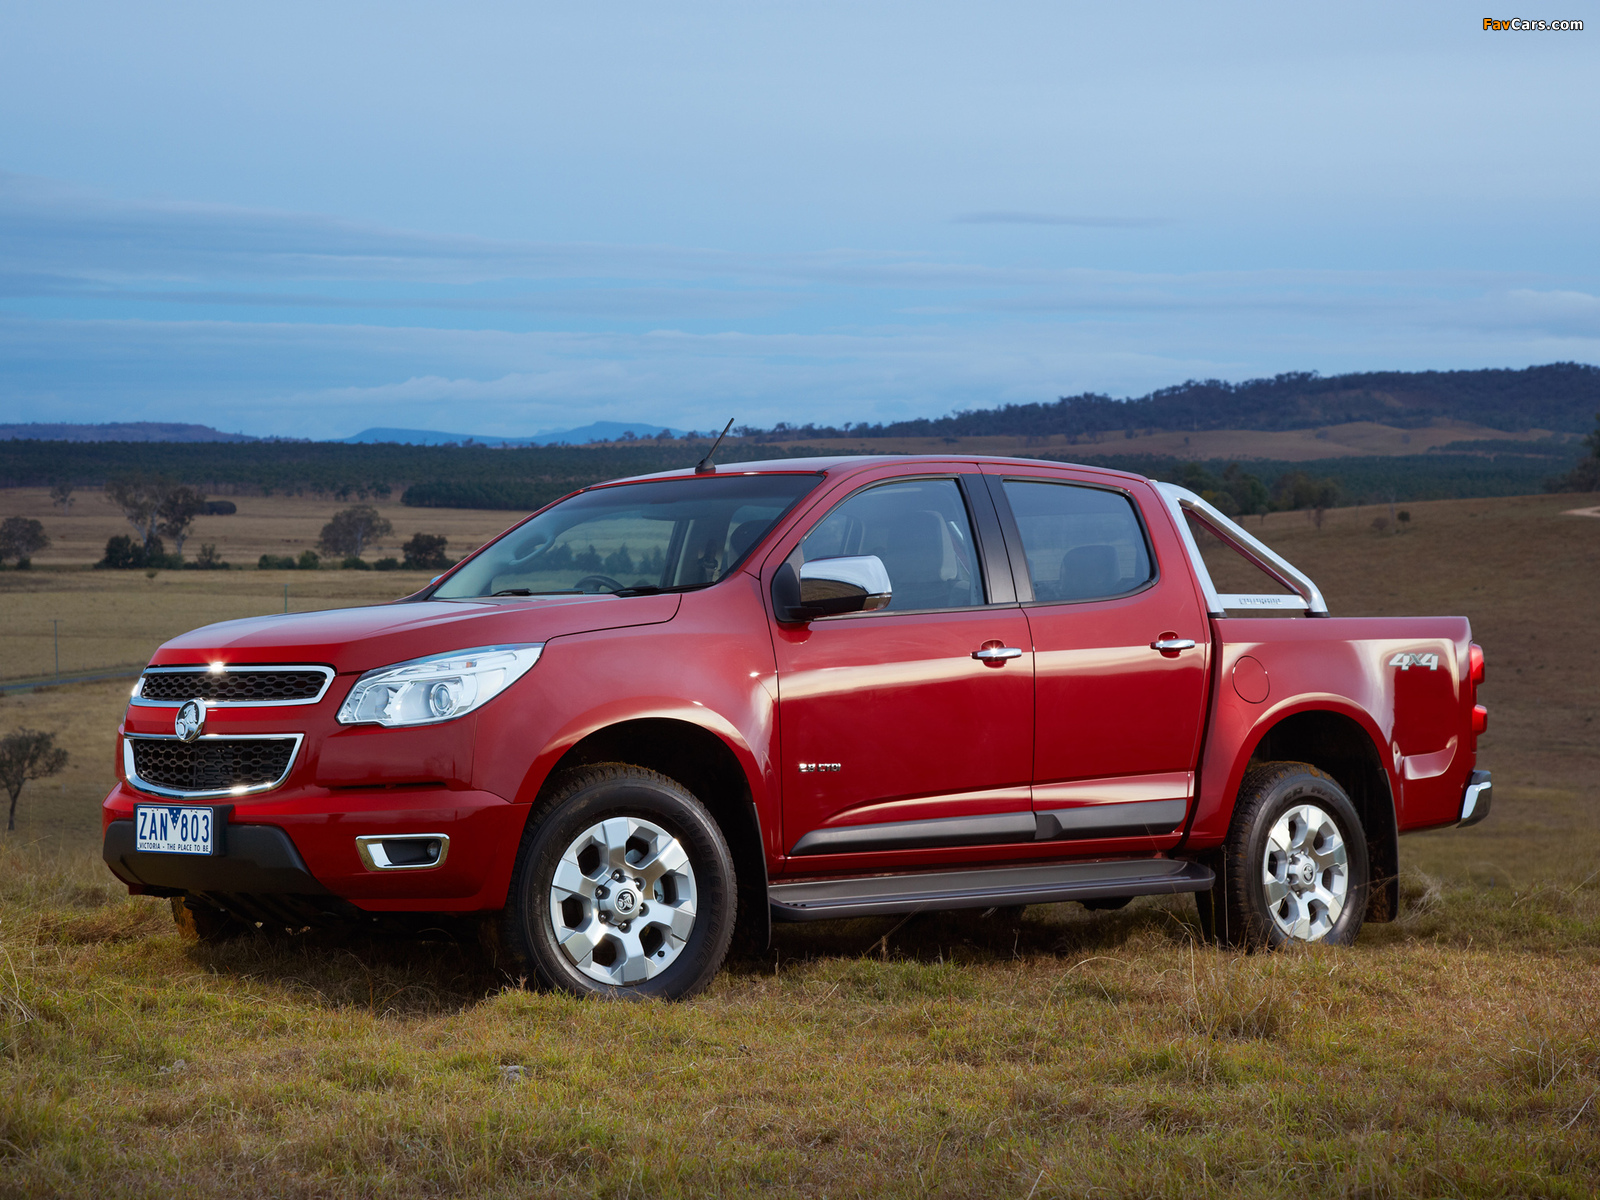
x=1476, y=800
x=303, y=850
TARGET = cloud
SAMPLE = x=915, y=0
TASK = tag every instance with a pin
x=295, y=323
x=1037, y=218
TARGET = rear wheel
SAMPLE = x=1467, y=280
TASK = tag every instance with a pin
x=623, y=886
x=1294, y=867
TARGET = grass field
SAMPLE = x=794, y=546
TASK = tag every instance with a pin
x=263, y=525
x=1455, y=1052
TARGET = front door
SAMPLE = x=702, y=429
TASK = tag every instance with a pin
x=1118, y=720
x=894, y=738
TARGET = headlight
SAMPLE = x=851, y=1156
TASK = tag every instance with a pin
x=440, y=687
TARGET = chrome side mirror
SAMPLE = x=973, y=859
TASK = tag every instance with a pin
x=827, y=587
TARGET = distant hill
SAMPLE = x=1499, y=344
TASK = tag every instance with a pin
x=1562, y=397
x=597, y=431
x=121, y=431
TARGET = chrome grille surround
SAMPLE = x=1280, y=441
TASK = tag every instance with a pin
x=233, y=686
x=216, y=748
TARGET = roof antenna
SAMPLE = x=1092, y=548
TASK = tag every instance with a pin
x=704, y=467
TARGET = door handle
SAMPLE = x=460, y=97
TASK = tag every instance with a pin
x=1000, y=653
x=1172, y=645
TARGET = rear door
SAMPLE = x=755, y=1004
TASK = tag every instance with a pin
x=1118, y=717
x=896, y=742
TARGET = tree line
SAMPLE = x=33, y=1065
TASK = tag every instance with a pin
x=1557, y=396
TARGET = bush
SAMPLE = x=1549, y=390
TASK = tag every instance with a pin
x=276, y=562
x=309, y=560
x=425, y=552
x=221, y=508
x=386, y=564
x=355, y=562
x=125, y=554
x=208, y=560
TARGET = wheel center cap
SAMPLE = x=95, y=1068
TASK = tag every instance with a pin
x=625, y=902
x=1308, y=871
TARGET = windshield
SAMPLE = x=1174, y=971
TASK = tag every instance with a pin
x=672, y=534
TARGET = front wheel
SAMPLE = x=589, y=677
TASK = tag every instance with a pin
x=1294, y=867
x=623, y=886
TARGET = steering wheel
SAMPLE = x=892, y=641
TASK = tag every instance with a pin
x=603, y=581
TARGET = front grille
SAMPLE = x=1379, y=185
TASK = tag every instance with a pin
x=273, y=685
x=211, y=764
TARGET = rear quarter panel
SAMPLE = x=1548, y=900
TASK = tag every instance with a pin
x=1419, y=719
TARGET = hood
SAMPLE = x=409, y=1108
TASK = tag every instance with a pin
x=358, y=639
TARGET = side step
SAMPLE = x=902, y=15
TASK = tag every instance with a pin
x=1050, y=883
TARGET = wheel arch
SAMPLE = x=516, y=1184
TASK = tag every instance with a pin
x=710, y=769
x=1339, y=744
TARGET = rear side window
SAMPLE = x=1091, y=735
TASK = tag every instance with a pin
x=1082, y=543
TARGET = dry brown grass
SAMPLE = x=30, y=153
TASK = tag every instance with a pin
x=1455, y=1052
x=117, y=618
x=263, y=525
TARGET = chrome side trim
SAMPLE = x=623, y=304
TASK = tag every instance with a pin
x=156, y=789
x=1475, y=804
x=375, y=858
x=1137, y=818
x=985, y=829
x=1311, y=601
x=229, y=669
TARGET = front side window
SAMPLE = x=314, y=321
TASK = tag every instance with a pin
x=1082, y=543
x=634, y=538
x=919, y=528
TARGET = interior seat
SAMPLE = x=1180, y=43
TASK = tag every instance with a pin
x=1089, y=572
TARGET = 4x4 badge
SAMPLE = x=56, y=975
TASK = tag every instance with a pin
x=191, y=719
x=1406, y=661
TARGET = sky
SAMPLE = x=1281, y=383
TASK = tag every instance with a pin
x=308, y=219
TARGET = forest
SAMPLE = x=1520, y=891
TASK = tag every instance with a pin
x=1562, y=397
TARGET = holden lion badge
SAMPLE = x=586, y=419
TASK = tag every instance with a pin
x=191, y=719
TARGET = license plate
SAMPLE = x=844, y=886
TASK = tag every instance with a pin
x=174, y=829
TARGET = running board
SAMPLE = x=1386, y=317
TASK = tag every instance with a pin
x=1050, y=883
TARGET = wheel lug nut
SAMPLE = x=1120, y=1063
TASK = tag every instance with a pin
x=618, y=876
x=644, y=910
x=600, y=893
x=624, y=926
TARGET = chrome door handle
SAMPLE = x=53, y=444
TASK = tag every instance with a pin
x=1169, y=644
x=1000, y=653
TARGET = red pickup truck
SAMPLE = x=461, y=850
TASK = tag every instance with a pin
x=800, y=690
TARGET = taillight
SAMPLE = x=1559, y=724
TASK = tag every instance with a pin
x=1475, y=663
x=1480, y=718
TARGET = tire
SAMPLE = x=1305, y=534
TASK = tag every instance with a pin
x=199, y=922
x=1294, y=867
x=580, y=919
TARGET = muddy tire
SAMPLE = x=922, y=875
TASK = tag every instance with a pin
x=623, y=887
x=1294, y=867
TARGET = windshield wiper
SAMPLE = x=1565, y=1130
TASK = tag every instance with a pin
x=650, y=589
x=530, y=592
